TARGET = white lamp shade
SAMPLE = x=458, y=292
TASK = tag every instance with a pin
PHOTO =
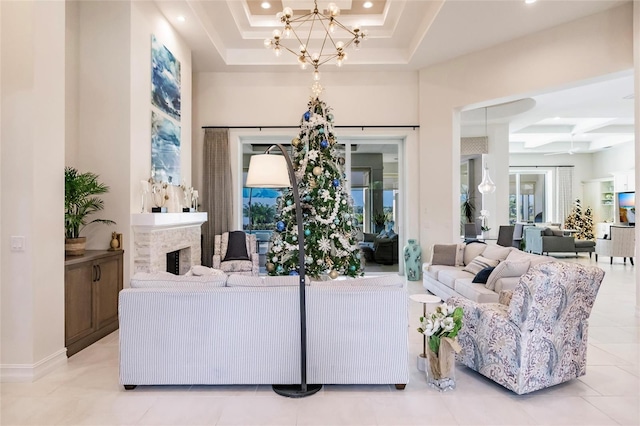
x=267, y=171
x=486, y=186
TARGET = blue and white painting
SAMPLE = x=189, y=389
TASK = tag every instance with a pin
x=165, y=149
x=165, y=79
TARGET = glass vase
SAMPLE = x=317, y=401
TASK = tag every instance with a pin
x=441, y=370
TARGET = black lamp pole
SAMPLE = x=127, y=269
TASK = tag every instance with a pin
x=303, y=389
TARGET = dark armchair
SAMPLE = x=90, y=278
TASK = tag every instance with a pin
x=385, y=250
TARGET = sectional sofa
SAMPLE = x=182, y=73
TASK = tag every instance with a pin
x=454, y=267
x=219, y=330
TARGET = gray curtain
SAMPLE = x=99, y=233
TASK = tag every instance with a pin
x=564, y=193
x=217, y=198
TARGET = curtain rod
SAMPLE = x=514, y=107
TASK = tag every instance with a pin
x=411, y=126
x=546, y=167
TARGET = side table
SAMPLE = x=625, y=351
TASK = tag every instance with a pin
x=425, y=299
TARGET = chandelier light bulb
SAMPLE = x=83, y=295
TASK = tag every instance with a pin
x=339, y=62
x=316, y=75
x=276, y=34
x=277, y=51
x=287, y=12
x=332, y=26
x=267, y=43
x=315, y=57
x=339, y=45
x=302, y=48
x=287, y=31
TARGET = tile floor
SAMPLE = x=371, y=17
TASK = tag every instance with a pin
x=86, y=390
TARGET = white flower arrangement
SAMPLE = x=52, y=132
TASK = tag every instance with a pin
x=445, y=321
x=484, y=215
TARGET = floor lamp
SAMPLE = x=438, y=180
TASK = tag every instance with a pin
x=276, y=171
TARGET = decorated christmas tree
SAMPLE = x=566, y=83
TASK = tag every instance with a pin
x=581, y=222
x=330, y=240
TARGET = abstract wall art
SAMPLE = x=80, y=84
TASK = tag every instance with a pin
x=165, y=79
x=165, y=149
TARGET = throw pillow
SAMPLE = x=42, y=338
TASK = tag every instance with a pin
x=482, y=276
x=496, y=252
x=200, y=270
x=472, y=250
x=444, y=254
x=479, y=263
x=237, y=247
x=557, y=232
x=548, y=232
x=507, y=269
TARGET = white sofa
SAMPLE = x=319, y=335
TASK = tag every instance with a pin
x=246, y=330
x=449, y=278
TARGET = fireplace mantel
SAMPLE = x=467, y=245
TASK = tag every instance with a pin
x=156, y=234
x=168, y=219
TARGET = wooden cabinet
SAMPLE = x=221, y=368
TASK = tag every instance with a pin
x=92, y=284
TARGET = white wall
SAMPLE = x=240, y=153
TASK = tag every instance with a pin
x=618, y=158
x=32, y=134
x=110, y=94
x=280, y=99
x=598, y=45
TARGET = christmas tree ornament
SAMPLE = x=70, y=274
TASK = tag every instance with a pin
x=333, y=274
x=270, y=267
x=330, y=117
x=317, y=170
x=293, y=273
x=296, y=141
x=307, y=232
x=324, y=144
x=336, y=182
x=321, y=131
x=352, y=268
x=280, y=226
x=307, y=116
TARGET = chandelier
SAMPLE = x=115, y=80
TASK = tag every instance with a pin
x=336, y=38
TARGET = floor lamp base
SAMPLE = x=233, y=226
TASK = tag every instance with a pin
x=295, y=391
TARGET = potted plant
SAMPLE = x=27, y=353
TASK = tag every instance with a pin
x=379, y=219
x=80, y=201
x=467, y=207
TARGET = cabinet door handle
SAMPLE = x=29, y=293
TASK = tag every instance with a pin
x=99, y=273
x=94, y=273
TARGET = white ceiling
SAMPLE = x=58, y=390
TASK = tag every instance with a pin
x=225, y=35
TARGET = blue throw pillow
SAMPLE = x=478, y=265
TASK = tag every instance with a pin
x=482, y=276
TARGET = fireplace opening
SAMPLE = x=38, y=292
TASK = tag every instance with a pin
x=173, y=262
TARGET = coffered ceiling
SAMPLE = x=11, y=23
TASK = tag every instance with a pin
x=228, y=35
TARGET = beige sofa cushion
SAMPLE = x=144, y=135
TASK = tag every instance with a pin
x=473, y=250
x=507, y=269
x=444, y=254
x=449, y=276
x=496, y=252
x=474, y=291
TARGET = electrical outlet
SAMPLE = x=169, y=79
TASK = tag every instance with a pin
x=17, y=243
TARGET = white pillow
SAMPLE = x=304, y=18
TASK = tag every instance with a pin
x=379, y=281
x=199, y=270
x=479, y=263
x=507, y=269
x=460, y=255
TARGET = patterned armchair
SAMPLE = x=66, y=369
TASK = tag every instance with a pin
x=621, y=244
x=246, y=263
x=540, y=338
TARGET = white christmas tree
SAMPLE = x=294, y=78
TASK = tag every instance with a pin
x=330, y=240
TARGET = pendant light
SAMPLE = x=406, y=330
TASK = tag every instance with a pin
x=486, y=186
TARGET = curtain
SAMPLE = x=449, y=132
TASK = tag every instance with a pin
x=564, y=193
x=217, y=197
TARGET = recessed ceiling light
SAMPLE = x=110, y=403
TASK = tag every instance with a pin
x=367, y=5
x=530, y=1
x=181, y=18
x=265, y=5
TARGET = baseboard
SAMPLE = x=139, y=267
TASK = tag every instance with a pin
x=11, y=373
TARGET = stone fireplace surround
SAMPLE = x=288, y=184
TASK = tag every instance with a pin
x=156, y=234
